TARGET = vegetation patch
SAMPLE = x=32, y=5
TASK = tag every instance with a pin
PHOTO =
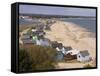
x=34, y=57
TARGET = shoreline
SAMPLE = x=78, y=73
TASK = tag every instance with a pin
x=69, y=34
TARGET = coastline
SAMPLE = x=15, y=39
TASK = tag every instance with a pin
x=69, y=34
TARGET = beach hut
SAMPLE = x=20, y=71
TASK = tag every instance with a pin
x=54, y=44
x=83, y=56
x=68, y=48
x=43, y=42
x=59, y=56
x=40, y=27
x=34, y=38
x=38, y=42
x=47, y=27
x=70, y=57
x=40, y=33
x=33, y=30
x=72, y=52
x=61, y=48
x=25, y=36
x=28, y=41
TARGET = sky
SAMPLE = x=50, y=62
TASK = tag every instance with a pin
x=50, y=10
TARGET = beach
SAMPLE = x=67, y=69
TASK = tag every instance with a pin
x=70, y=34
x=57, y=38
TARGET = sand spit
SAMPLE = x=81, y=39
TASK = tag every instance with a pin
x=70, y=34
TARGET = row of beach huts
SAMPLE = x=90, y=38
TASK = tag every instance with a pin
x=63, y=52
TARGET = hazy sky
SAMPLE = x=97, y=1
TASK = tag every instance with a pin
x=50, y=10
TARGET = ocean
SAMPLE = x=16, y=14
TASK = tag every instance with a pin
x=88, y=23
x=27, y=22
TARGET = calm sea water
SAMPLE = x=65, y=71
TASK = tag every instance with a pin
x=27, y=22
x=88, y=23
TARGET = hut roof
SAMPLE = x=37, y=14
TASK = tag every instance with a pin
x=84, y=53
x=44, y=42
x=39, y=27
x=73, y=52
x=25, y=36
x=60, y=45
x=68, y=48
x=28, y=41
x=54, y=44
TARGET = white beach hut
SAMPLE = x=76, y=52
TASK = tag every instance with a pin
x=61, y=49
x=83, y=56
x=43, y=42
x=72, y=52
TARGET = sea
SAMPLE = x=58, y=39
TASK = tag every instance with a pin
x=88, y=23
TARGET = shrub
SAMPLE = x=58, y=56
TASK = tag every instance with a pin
x=24, y=61
x=38, y=58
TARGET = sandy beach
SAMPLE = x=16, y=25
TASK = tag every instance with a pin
x=70, y=34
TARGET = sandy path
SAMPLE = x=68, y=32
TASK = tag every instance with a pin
x=72, y=65
x=21, y=33
x=68, y=65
